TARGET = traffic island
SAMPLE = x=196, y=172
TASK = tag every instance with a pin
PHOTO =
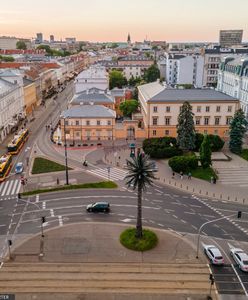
x=43, y=165
x=129, y=240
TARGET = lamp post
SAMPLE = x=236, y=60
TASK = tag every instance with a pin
x=66, y=163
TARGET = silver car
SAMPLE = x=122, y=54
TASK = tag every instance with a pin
x=241, y=258
x=214, y=254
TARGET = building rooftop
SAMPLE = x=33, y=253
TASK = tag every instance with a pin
x=135, y=58
x=87, y=98
x=150, y=89
x=89, y=111
x=5, y=86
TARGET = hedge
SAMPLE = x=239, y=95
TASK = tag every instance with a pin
x=183, y=163
x=164, y=147
x=215, y=141
x=166, y=152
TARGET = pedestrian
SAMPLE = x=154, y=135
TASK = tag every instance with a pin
x=189, y=175
x=57, y=181
x=181, y=175
x=214, y=181
x=173, y=175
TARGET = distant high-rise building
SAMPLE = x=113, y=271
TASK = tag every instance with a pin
x=230, y=37
x=39, y=38
x=70, y=40
x=129, y=39
x=51, y=38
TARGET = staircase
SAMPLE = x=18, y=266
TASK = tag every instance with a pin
x=125, y=278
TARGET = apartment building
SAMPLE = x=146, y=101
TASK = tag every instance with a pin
x=212, y=59
x=228, y=38
x=183, y=69
x=233, y=80
x=160, y=107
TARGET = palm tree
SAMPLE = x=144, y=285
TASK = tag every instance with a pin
x=140, y=175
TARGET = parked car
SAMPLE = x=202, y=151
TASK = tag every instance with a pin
x=19, y=168
x=98, y=207
x=241, y=258
x=214, y=255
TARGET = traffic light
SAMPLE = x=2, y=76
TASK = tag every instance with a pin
x=239, y=214
x=43, y=219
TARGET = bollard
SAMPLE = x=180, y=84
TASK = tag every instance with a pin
x=206, y=193
x=175, y=184
x=187, y=187
x=228, y=198
x=164, y=179
x=181, y=186
x=200, y=192
x=236, y=199
x=213, y=194
x=169, y=182
x=193, y=190
x=220, y=196
x=243, y=201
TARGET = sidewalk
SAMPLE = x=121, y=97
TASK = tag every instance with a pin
x=193, y=186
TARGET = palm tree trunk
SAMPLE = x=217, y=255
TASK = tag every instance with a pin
x=139, y=232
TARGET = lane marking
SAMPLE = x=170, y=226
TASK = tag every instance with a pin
x=52, y=212
x=240, y=281
x=60, y=221
x=43, y=205
x=37, y=198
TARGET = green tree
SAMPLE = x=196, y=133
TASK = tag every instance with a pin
x=7, y=58
x=140, y=175
x=152, y=73
x=47, y=48
x=21, y=45
x=205, y=152
x=238, y=128
x=128, y=107
x=116, y=79
x=186, y=128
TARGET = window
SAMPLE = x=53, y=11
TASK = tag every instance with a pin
x=207, y=108
x=98, y=122
x=217, y=121
x=167, y=132
x=77, y=133
x=229, y=109
x=155, y=109
x=154, y=132
x=154, y=121
x=198, y=109
x=87, y=123
x=167, y=109
x=198, y=121
x=109, y=123
x=206, y=120
x=66, y=123
x=167, y=121
x=217, y=108
x=228, y=120
x=77, y=123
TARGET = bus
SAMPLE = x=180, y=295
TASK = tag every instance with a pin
x=18, y=141
x=5, y=166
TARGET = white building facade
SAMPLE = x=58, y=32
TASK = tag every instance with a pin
x=233, y=80
x=11, y=101
x=183, y=69
x=94, y=77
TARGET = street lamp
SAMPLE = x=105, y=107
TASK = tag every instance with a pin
x=66, y=163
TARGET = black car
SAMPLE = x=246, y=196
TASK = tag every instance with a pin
x=98, y=207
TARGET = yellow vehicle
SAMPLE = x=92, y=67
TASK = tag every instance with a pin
x=18, y=141
x=5, y=166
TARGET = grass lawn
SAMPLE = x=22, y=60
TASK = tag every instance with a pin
x=147, y=242
x=93, y=185
x=244, y=154
x=43, y=165
x=204, y=174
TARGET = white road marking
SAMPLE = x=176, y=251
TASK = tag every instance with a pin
x=37, y=198
x=60, y=221
x=52, y=212
x=240, y=281
x=127, y=220
x=43, y=205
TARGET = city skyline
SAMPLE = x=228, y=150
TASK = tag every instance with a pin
x=154, y=20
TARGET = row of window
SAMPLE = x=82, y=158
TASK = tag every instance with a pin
x=167, y=132
x=197, y=120
x=198, y=108
x=88, y=123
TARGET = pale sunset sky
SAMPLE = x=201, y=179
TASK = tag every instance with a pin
x=111, y=20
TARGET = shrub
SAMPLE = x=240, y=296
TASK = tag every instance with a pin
x=183, y=163
x=165, y=147
x=215, y=141
x=166, y=152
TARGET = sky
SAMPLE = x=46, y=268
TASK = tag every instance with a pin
x=111, y=20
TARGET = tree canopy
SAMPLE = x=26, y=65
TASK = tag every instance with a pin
x=152, y=73
x=238, y=128
x=205, y=152
x=186, y=128
x=21, y=45
x=128, y=107
x=116, y=79
x=54, y=52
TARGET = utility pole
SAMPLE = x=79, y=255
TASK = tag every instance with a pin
x=66, y=163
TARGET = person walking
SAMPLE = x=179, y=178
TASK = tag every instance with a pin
x=173, y=175
x=181, y=175
x=189, y=175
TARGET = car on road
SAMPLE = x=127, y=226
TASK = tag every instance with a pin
x=241, y=258
x=214, y=254
x=98, y=207
x=19, y=168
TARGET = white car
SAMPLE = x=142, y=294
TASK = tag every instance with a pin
x=241, y=258
x=214, y=254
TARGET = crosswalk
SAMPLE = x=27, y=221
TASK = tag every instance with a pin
x=233, y=176
x=109, y=173
x=10, y=187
